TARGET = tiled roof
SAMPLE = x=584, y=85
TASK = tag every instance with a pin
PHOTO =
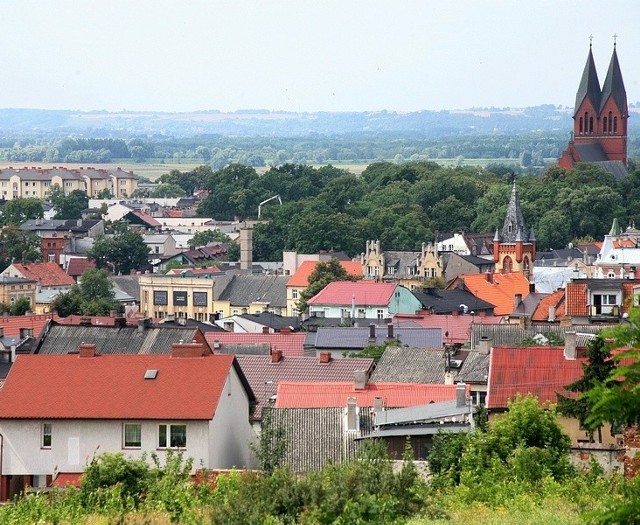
x=555, y=301
x=146, y=218
x=497, y=289
x=356, y=338
x=576, y=299
x=291, y=344
x=394, y=395
x=11, y=325
x=410, y=365
x=301, y=276
x=362, y=292
x=540, y=370
x=46, y=273
x=455, y=328
x=114, y=387
x=272, y=320
x=447, y=301
x=264, y=375
x=77, y=266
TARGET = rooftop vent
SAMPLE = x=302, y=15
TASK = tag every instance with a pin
x=151, y=374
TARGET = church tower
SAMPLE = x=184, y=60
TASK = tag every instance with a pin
x=514, y=248
x=600, y=118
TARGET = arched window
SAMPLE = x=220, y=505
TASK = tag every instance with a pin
x=604, y=127
x=610, y=123
x=615, y=124
x=581, y=128
x=590, y=124
x=507, y=265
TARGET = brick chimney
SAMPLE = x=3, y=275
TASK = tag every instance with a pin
x=325, y=357
x=265, y=329
x=87, y=350
x=193, y=349
x=276, y=356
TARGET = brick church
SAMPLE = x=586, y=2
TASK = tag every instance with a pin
x=600, y=120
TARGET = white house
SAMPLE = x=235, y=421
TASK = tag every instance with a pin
x=58, y=411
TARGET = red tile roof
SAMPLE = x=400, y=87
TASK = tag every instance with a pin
x=457, y=326
x=291, y=344
x=394, y=395
x=576, y=299
x=498, y=289
x=46, y=273
x=97, y=320
x=301, y=276
x=145, y=217
x=555, y=301
x=114, y=387
x=362, y=292
x=11, y=325
x=77, y=266
x=540, y=370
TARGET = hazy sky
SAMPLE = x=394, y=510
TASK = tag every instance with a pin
x=308, y=55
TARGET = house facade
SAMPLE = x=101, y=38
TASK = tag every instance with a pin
x=182, y=297
x=59, y=411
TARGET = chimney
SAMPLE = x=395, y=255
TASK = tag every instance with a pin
x=87, y=350
x=489, y=276
x=188, y=350
x=484, y=345
x=285, y=330
x=390, y=331
x=325, y=357
x=360, y=379
x=372, y=333
x=517, y=299
x=13, y=353
x=143, y=324
x=552, y=314
x=461, y=395
x=120, y=322
x=455, y=313
x=276, y=356
x=378, y=404
x=448, y=378
x=265, y=329
x=352, y=414
x=570, y=346
x=246, y=248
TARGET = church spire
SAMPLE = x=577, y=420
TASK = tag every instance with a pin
x=613, y=85
x=589, y=84
x=514, y=228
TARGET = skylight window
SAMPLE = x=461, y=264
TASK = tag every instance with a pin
x=151, y=374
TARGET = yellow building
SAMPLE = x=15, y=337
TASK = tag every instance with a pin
x=14, y=288
x=182, y=297
x=37, y=182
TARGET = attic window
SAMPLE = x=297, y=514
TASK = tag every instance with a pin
x=151, y=374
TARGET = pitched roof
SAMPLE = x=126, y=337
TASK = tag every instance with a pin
x=498, y=289
x=455, y=328
x=246, y=289
x=394, y=395
x=11, y=325
x=613, y=86
x=264, y=375
x=447, y=301
x=361, y=292
x=540, y=370
x=553, y=301
x=145, y=218
x=77, y=266
x=46, y=273
x=301, y=276
x=357, y=337
x=290, y=343
x=410, y=365
x=114, y=387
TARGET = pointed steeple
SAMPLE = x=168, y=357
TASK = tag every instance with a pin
x=614, y=86
x=589, y=85
x=615, y=230
x=514, y=228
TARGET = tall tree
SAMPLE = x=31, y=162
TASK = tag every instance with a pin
x=18, y=245
x=324, y=273
x=596, y=371
x=17, y=211
x=121, y=253
x=68, y=206
x=93, y=295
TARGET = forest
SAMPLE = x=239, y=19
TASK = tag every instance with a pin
x=404, y=205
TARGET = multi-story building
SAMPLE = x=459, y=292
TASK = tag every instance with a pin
x=37, y=182
x=14, y=288
x=183, y=297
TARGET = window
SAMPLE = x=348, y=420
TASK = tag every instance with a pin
x=294, y=294
x=132, y=435
x=200, y=299
x=46, y=435
x=160, y=297
x=52, y=257
x=172, y=436
x=179, y=298
x=380, y=314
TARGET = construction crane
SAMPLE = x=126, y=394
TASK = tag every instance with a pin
x=267, y=200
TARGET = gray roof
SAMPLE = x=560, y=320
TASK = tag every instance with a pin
x=355, y=338
x=128, y=284
x=447, y=301
x=316, y=436
x=254, y=349
x=431, y=412
x=589, y=84
x=513, y=334
x=614, y=86
x=246, y=289
x=590, y=152
x=64, y=339
x=475, y=369
x=514, y=227
x=411, y=365
x=273, y=320
x=401, y=261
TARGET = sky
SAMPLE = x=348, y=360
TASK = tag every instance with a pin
x=308, y=55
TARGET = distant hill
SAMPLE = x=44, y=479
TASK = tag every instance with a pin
x=469, y=122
